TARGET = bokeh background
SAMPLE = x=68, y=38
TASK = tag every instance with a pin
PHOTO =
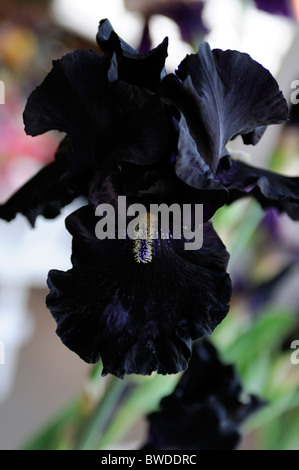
x=40, y=377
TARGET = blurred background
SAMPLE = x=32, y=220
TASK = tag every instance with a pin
x=38, y=375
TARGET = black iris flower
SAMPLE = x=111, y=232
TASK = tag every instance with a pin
x=130, y=129
x=207, y=408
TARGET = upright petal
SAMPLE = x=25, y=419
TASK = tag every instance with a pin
x=227, y=93
x=73, y=98
x=145, y=70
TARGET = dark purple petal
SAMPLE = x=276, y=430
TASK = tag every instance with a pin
x=141, y=129
x=271, y=225
x=137, y=317
x=144, y=70
x=270, y=189
x=206, y=410
x=277, y=7
x=293, y=120
x=47, y=192
x=226, y=93
x=157, y=184
x=108, y=40
x=69, y=96
x=107, y=121
x=194, y=172
x=73, y=98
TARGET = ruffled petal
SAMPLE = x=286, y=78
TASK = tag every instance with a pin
x=270, y=189
x=70, y=96
x=74, y=99
x=224, y=94
x=194, y=172
x=156, y=184
x=108, y=120
x=139, y=317
x=145, y=70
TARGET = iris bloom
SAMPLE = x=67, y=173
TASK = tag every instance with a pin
x=131, y=129
x=206, y=409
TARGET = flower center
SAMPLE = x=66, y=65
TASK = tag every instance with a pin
x=143, y=245
x=143, y=251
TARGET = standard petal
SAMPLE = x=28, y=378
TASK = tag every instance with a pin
x=141, y=131
x=145, y=70
x=232, y=95
x=70, y=97
x=270, y=189
x=74, y=99
x=107, y=120
x=138, y=317
x=194, y=172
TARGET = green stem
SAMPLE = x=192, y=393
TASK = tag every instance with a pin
x=95, y=426
x=246, y=230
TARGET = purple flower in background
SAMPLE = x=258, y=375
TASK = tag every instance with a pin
x=259, y=294
x=187, y=14
x=277, y=7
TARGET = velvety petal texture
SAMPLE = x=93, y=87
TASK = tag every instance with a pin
x=142, y=69
x=205, y=411
x=156, y=184
x=139, y=317
x=223, y=94
x=270, y=189
x=103, y=117
x=119, y=107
